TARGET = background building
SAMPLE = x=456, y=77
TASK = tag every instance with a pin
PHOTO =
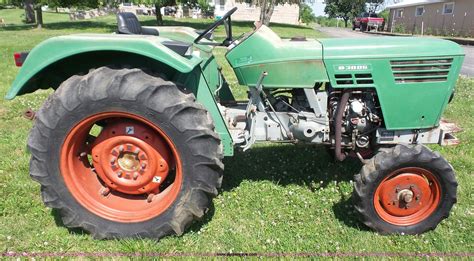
x=285, y=14
x=439, y=17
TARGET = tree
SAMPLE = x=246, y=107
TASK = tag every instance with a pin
x=344, y=9
x=158, y=5
x=39, y=16
x=268, y=6
x=35, y=5
x=30, y=17
x=206, y=9
x=266, y=10
x=306, y=14
x=374, y=5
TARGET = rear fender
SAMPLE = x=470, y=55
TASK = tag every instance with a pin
x=66, y=52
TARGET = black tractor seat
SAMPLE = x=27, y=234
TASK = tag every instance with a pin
x=128, y=24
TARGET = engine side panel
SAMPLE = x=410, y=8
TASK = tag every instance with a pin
x=413, y=89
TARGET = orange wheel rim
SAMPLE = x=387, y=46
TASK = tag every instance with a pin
x=128, y=171
x=407, y=196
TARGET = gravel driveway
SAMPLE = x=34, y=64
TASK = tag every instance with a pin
x=467, y=68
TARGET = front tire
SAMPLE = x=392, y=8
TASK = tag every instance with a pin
x=405, y=189
x=121, y=153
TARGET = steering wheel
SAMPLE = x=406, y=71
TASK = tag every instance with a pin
x=228, y=29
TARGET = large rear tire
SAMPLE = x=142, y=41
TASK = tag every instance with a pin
x=121, y=153
x=405, y=189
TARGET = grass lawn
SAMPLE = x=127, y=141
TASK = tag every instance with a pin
x=275, y=198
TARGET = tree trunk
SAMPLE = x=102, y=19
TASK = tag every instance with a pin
x=39, y=16
x=266, y=11
x=30, y=17
x=159, y=17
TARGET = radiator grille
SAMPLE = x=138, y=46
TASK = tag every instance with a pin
x=426, y=70
x=354, y=79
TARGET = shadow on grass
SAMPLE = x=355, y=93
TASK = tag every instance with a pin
x=194, y=226
x=73, y=25
x=287, y=164
x=110, y=26
x=308, y=166
x=345, y=212
x=59, y=222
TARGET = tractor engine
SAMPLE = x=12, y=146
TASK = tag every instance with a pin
x=360, y=119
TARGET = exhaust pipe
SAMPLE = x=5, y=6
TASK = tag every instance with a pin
x=338, y=125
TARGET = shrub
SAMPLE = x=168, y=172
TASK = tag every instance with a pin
x=326, y=22
x=306, y=14
x=400, y=28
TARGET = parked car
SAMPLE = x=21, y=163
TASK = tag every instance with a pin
x=170, y=10
x=367, y=21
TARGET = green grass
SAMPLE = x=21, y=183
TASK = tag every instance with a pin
x=287, y=199
x=17, y=16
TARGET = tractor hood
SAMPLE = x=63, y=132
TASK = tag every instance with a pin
x=413, y=76
x=388, y=47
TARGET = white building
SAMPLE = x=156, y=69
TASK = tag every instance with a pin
x=285, y=14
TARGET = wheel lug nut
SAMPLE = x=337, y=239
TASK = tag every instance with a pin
x=135, y=175
x=137, y=151
x=119, y=174
x=121, y=148
x=83, y=154
x=143, y=165
x=104, y=191
x=150, y=198
x=112, y=160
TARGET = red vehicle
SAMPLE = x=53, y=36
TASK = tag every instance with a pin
x=367, y=21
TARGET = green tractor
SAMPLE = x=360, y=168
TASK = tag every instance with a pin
x=131, y=142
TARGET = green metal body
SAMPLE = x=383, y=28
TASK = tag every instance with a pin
x=416, y=101
x=400, y=70
x=412, y=85
x=289, y=64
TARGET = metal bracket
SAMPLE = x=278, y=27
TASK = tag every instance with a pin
x=313, y=101
x=255, y=104
x=221, y=82
x=318, y=102
x=249, y=135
